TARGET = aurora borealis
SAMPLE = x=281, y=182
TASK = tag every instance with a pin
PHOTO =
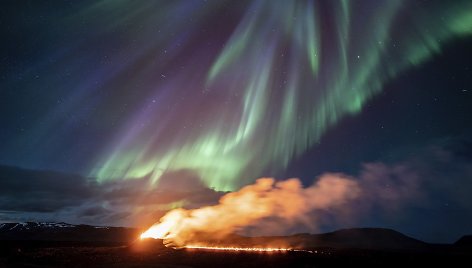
x=229, y=91
x=275, y=78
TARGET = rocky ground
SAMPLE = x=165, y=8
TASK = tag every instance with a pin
x=153, y=254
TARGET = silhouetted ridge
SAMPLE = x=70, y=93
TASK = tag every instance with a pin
x=465, y=241
x=368, y=238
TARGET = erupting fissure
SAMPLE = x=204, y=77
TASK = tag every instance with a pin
x=256, y=249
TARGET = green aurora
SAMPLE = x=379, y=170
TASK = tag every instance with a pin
x=288, y=71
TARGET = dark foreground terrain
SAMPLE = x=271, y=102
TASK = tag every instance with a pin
x=153, y=254
x=118, y=247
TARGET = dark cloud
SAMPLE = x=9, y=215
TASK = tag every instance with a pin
x=172, y=187
x=42, y=191
x=94, y=211
x=39, y=195
x=422, y=193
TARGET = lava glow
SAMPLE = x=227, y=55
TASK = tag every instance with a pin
x=255, y=249
x=157, y=231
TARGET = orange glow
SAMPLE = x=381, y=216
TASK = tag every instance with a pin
x=163, y=229
x=249, y=249
x=157, y=231
x=240, y=248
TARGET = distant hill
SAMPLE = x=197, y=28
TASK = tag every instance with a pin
x=51, y=231
x=465, y=241
x=359, y=238
x=363, y=238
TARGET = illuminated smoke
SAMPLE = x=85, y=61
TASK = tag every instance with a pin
x=285, y=201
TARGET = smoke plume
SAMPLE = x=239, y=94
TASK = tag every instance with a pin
x=287, y=202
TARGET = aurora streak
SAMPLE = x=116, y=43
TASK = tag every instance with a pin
x=226, y=89
x=288, y=72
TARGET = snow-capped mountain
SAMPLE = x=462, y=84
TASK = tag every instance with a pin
x=33, y=225
x=60, y=231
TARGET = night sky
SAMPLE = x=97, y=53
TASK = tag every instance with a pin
x=115, y=111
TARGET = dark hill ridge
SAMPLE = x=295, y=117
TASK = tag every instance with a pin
x=359, y=238
x=365, y=238
x=465, y=241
